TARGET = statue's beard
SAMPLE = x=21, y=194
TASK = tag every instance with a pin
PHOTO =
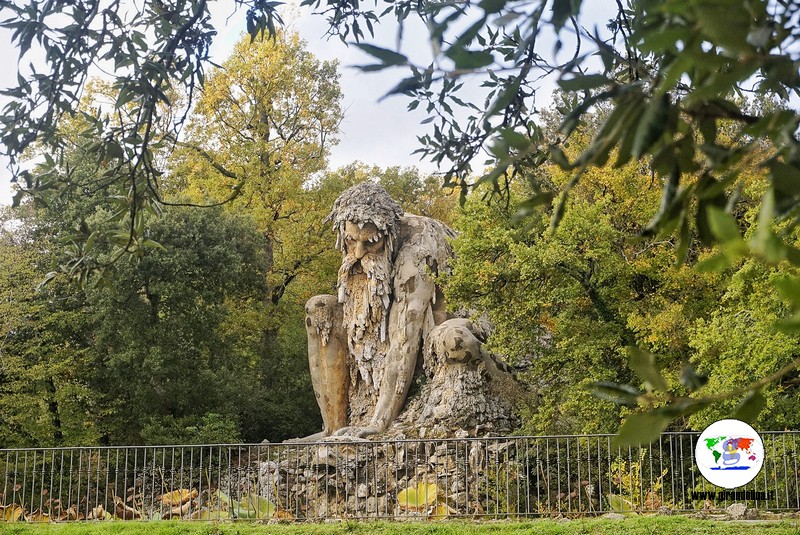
x=364, y=291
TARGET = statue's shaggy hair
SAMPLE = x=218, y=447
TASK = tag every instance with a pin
x=366, y=202
x=365, y=301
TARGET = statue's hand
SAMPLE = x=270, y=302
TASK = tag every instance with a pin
x=356, y=431
x=310, y=438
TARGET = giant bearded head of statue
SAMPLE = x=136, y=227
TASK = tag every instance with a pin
x=365, y=219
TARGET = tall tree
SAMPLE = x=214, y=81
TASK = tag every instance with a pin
x=262, y=128
x=47, y=395
x=160, y=345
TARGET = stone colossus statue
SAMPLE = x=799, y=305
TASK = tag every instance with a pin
x=364, y=344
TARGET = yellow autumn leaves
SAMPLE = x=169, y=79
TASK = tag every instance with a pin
x=425, y=499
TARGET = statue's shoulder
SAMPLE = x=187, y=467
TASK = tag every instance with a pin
x=424, y=241
x=412, y=225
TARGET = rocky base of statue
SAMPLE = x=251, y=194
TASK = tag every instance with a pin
x=459, y=406
x=414, y=480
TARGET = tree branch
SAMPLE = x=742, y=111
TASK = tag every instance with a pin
x=210, y=159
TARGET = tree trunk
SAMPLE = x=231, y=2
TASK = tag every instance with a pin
x=52, y=407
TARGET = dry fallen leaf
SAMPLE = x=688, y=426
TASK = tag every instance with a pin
x=38, y=516
x=178, y=497
x=11, y=513
x=125, y=512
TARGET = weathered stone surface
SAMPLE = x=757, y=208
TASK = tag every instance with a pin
x=387, y=329
x=369, y=479
x=736, y=511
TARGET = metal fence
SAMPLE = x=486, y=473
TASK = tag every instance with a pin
x=508, y=477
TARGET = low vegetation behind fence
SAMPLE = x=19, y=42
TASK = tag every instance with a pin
x=503, y=477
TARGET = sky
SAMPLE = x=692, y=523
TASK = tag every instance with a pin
x=376, y=132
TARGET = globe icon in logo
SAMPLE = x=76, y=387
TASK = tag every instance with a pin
x=729, y=453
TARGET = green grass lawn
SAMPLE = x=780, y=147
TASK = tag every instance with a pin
x=630, y=525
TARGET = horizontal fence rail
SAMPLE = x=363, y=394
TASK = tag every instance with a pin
x=504, y=477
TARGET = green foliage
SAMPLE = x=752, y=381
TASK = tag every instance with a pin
x=633, y=490
x=210, y=428
x=162, y=316
x=559, y=302
x=586, y=311
x=157, y=51
x=45, y=395
x=553, y=311
x=740, y=341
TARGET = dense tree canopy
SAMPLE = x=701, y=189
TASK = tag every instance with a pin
x=667, y=69
x=567, y=305
x=188, y=339
x=44, y=384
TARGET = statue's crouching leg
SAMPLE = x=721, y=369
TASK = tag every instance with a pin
x=327, y=359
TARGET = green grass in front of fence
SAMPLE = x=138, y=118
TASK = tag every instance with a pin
x=634, y=525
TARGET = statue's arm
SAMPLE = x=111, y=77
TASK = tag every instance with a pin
x=414, y=291
x=327, y=359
